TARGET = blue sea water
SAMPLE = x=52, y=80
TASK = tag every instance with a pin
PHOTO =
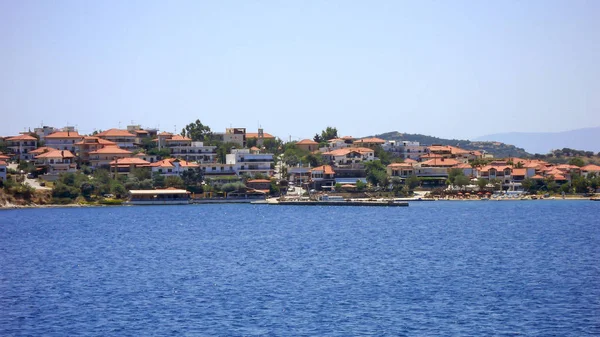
x=433, y=269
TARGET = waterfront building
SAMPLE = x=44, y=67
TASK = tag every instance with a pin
x=54, y=162
x=246, y=163
x=172, y=167
x=21, y=146
x=102, y=158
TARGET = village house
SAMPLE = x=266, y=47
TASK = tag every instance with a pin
x=63, y=140
x=21, y=146
x=590, y=169
x=183, y=147
x=172, y=167
x=54, y=162
x=90, y=144
x=236, y=136
x=102, y=158
x=216, y=169
x=260, y=136
x=372, y=142
x=250, y=164
x=307, y=145
x=400, y=170
x=262, y=185
x=405, y=149
x=123, y=138
x=125, y=166
x=350, y=155
x=322, y=177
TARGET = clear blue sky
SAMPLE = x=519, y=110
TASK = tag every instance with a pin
x=445, y=68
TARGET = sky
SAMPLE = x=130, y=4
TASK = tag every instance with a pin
x=456, y=69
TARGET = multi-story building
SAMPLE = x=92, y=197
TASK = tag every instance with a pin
x=322, y=177
x=44, y=131
x=102, y=158
x=55, y=162
x=123, y=138
x=307, y=145
x=22, y=145
x=90, y=144
x=172, y=167
x=250, y=164
x=405, y=149
x=260, y=136
x=236, y=136
x=183, y=147
x=372, y=142
x=63, y=140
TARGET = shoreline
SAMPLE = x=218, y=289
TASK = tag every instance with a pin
x=13, y=206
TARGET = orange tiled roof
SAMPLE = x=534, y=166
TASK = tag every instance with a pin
x=372, y=140
x=179, y=138
x=519, y=172
x=165, y=133
x=399, y=165
x=64, y=135
x=2, y=163
x=345, y=151
x=111, y=150
x=259, y=181
x=537, y=176
x=115, y=133
x=307, y=142
x=408, y=160
x=129, y=161
x=21, y=137
x=590, y=168
x=3, y=157
x=463, y=166
x=169, y=163
x=56, y=154
x=42, y=149
x=559, y=177
x=327, y=169
x=439, y=162
x=250, y=135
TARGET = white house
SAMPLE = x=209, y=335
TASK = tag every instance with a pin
x=183, y=147
x=350, y=155
x=56, y=162
x=172, y=167
x=102, y=157
x=245, y=162
x=21, y=145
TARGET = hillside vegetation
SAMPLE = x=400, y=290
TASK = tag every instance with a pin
x=496, y=148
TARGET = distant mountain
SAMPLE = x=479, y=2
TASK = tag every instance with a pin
x=498, y=149
x=543, y=142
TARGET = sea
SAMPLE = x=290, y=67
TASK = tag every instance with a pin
x=443, y=268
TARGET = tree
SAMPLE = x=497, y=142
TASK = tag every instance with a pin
x=412, y=181
x=529, y=185
x=174, y=181
x=327, y=134
x=360, y=185
x=461, y=181
x=482, y=183
x=577, y=162
x=314, y=159
x=141, y=173
x=453, y=173
x=192, y=179
x=196, y=131
x=376, y=173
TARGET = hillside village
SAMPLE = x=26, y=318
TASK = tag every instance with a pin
x=239, y=162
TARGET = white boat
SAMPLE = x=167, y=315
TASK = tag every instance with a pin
x=159, y=197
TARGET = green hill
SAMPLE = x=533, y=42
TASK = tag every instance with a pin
x=499, y=150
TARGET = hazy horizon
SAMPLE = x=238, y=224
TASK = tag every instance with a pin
x=453, y=70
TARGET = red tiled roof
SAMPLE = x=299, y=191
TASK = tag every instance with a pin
x=42, y=149
x=327, y=169
x=307, y=142
x=169, y=163
x=259, y=181
x=64, y=135
x=115, y=133
x=111, y=150
x=590, y=168
x=179, y=138
x=519, y=172
x=56, y=154
x=2, y=163
x=129, y=161
x=440, y=162
x=250, y=135
x=399, y=165
x=21, y=137
x=372, y=140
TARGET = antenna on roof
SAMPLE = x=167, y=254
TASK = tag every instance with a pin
x=119, y=124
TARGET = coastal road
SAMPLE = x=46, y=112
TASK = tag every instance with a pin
x=35, y=183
